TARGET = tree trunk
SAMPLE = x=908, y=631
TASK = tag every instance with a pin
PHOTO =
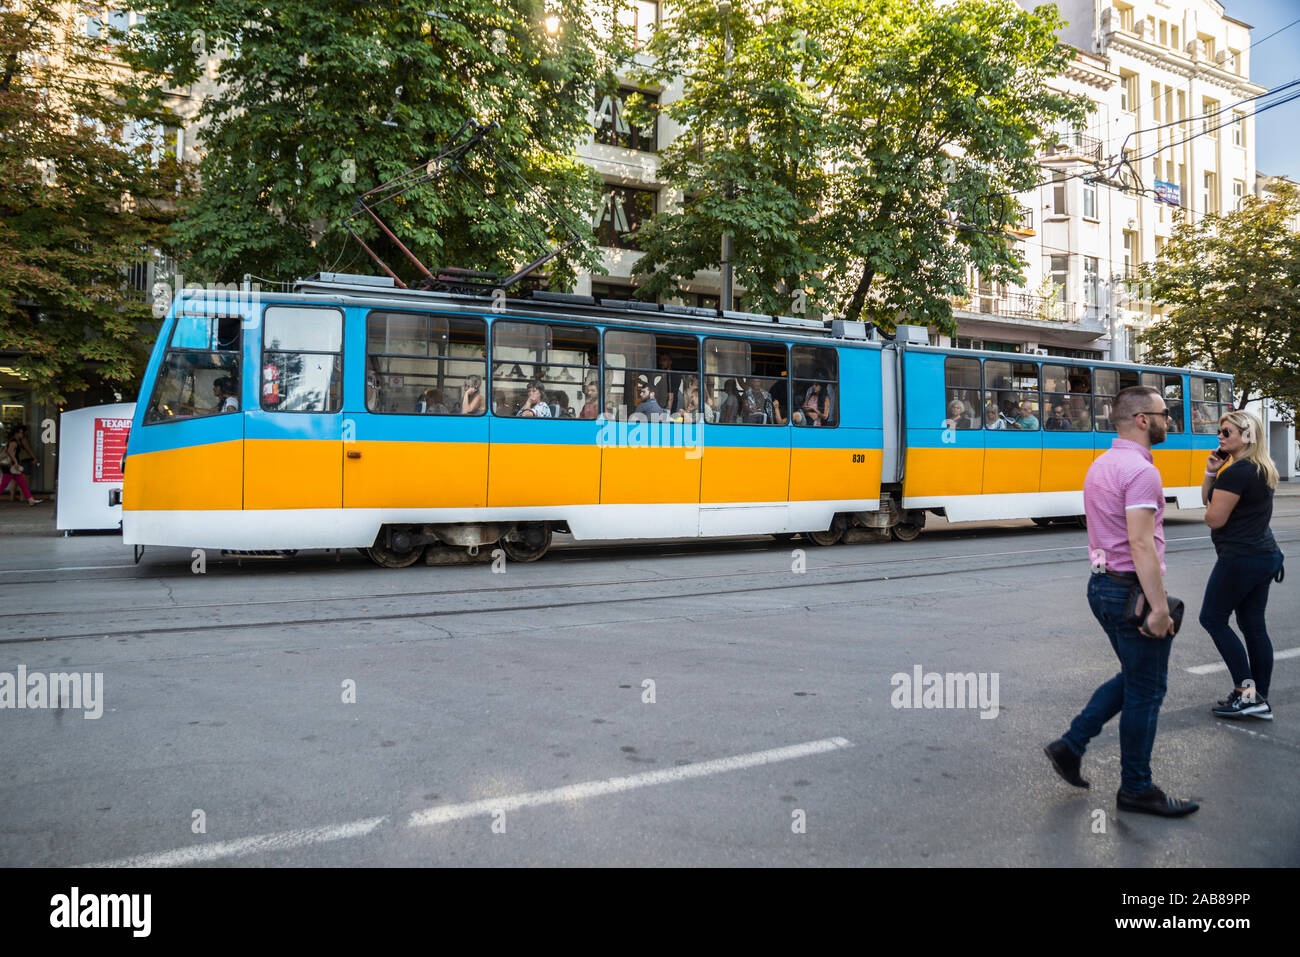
x=859, y=294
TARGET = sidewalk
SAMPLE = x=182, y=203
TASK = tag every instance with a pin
x=18, y=518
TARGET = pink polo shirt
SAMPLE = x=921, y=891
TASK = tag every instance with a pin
x=1123, y=478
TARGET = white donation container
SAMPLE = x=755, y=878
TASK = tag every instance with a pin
x=91, y=444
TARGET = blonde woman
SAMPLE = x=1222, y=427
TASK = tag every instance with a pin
x=1238, y=507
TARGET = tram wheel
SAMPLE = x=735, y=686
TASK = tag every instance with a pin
x=829, y=537
x=530, y=542
x=906, y=531
x=386, y=557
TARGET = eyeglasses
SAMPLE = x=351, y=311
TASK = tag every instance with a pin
x=1165, y=412
x=1226, y=433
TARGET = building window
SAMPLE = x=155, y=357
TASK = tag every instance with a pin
x=1238, y=129
x=1125, y=17
x=1091, y=281
x=1238, y=193
x=1061, y=275
x=1130, y=253
x=1128, y=91
x=1164, y=33
x=1058, y=194
x=621, y=211
x=1210, y=195
x=1207, y=47
x=642, y=18
x=1210, y=109
x=1173, y=38
x=1089, y=201
x=1234, y=61
x=612, y=127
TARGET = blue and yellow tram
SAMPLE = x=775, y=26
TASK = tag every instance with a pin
x=351, y=413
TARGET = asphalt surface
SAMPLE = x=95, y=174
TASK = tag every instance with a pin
x=506, y=719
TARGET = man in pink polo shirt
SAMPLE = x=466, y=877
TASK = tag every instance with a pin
x=1124, y=500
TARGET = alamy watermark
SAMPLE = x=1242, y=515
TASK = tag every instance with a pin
x=932, y=689
x=77, y=690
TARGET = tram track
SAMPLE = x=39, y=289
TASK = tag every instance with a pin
x=950, y=565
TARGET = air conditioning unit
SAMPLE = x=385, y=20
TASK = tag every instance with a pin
x=1040, y=352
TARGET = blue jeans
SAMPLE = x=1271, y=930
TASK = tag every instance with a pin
x=1134, y=694
x=1240, y=583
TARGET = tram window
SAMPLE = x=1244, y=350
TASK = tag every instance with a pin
x=962, y=402
x=1067, y=398
x=816, y=397
x=1108, y=383
x=745, y=382
x=668, y=366
x=1011, y=394
x=192, y=384
x=1210, y=399
x=560, y=361
x=1171, y=390
x=429, y=364
x=214, y=333
x=302, y=359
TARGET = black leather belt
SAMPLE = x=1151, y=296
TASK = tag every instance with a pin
x=1128, y=578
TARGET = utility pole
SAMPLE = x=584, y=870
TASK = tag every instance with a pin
x=725, y=299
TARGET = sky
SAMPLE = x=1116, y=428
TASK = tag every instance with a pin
x=1274, y=61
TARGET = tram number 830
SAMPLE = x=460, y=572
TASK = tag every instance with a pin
x=859, y=457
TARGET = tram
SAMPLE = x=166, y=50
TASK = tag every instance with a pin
x=350, y=413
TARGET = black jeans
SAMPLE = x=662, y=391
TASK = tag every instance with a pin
x=1240, y=583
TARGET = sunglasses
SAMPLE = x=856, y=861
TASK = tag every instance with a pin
x=1226, y=433
x=1165, y=412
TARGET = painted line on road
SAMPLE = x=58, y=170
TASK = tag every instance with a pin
x=591, y=789
x=1229, y=726
x=1220, y=666
x=288, y=840
x=281, y=841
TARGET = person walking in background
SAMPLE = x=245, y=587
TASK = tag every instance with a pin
x=11, y=462
x=1125, y=503
x=1238, y=508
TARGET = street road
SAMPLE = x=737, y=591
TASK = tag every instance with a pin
x=706, y=703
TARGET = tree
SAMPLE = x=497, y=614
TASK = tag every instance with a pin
x=85, y=192
x=318, y=103
x=861, y=151
x=1231, y=288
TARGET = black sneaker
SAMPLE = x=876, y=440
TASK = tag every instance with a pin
x=1154, y=801
x=1066, y=763
x=1237, y=705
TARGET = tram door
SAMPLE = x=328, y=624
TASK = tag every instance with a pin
x=543, y=452
x=1172, y=456
x=293, y=436
x=416, y=422
x=1013, y=455
x=745, y=475
x=647, y=458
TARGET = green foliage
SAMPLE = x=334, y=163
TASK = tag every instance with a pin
x=83, y=195
x=1231, y=286
x=317, y=103
x=843, y=138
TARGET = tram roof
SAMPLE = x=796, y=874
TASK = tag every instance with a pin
x=369, y=291
x=1101, y=363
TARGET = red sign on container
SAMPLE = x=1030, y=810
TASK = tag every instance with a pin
x=110, y=446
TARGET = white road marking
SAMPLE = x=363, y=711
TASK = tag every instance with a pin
x=590, y=789
x=1220, y=666
x=287, y=840
x=282, y=841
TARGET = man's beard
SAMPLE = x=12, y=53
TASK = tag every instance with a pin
x=1152, y=434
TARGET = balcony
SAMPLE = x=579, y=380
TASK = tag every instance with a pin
x=1073, y=145
x=1019, y=305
